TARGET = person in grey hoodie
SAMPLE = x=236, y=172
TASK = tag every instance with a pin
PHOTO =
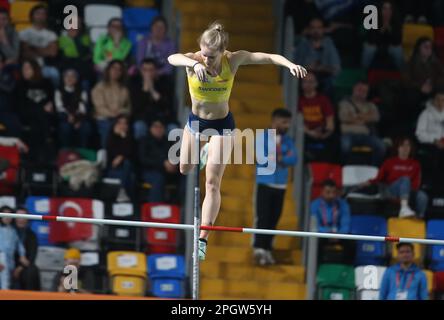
x=430, y=133
x=319, y=53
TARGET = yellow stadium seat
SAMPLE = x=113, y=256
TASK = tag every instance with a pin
x=408, y=228
x=140, y=3
x=20, y=10
x=128, y=263
x=128, y=286
x=411, y=33
x=22, y=26
x=429, y=276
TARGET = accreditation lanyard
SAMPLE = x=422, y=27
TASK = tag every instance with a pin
x=335, y=213
x=409, y=282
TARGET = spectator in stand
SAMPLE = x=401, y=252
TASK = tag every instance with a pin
x=147, y=100
x=39, y=43
x=404, y=280
x=9, y=122
x=76, y=53
x=423, y=75
x=358, y=118
x=319, y=124
x=382, y=48
x=430, y=133
x=110, y=98
x=26, y=277
x=9, y=244
x=424, y=71
x=270, y=187
x=156, y=45
x=111, y=46
x=33, y=103
x=331, y=214
x=9, y=39
x=72, y=260
x=120, y=152
x=400, y=177
x=319, y=54
x=70, y=103
x=153, y=158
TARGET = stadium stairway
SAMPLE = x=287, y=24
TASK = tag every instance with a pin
x=229, y=272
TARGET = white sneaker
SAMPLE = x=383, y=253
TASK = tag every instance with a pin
x=406, y=212
x=203, y=156
x=269, y=257
x=260, y=256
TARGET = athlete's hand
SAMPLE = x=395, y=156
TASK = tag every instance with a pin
x=201, y=72
x=297, y=70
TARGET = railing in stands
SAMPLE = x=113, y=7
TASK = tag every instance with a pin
x=278, y=11
x=301, y=177
x=310, y=247
x=168, y=12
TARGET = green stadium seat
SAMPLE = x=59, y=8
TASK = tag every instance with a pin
x=335, y=282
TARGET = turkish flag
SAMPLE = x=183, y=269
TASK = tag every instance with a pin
x=70, y=231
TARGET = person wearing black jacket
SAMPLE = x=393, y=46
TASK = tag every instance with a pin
x=33, y=103
x=153, y=158
x=119, y=153
x=9, y=122
x=148, y=99
x=26, y=277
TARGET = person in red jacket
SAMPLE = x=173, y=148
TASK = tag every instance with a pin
x=400, y=177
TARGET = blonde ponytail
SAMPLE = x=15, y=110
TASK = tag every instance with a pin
x=215, y=37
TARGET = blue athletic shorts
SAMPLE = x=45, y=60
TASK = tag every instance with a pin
x=223, y=126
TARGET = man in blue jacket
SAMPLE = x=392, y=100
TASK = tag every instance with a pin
x=270, y=187
x=331, y=214
x=404, y=280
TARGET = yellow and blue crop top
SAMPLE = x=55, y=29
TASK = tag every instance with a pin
x=217, y=89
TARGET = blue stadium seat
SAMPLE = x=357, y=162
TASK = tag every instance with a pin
x=369, y=252
x=166, y=266
x=435, y=230
x=168, y=288
x=39, y=206
x=167, y=272
x=137, y=22
x=138, y=18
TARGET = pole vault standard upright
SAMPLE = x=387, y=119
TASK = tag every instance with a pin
x=196, y=227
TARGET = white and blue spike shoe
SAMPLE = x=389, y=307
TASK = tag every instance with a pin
x=202, y=249
x=203, y=156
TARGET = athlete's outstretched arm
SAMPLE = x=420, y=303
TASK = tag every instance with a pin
x=182, y=60
x=243, y=57
x=191, y=61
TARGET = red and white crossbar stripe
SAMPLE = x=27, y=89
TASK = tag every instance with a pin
x=221, y=228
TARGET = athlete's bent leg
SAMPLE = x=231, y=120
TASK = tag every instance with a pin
x=186, y=148
x=219, y=152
